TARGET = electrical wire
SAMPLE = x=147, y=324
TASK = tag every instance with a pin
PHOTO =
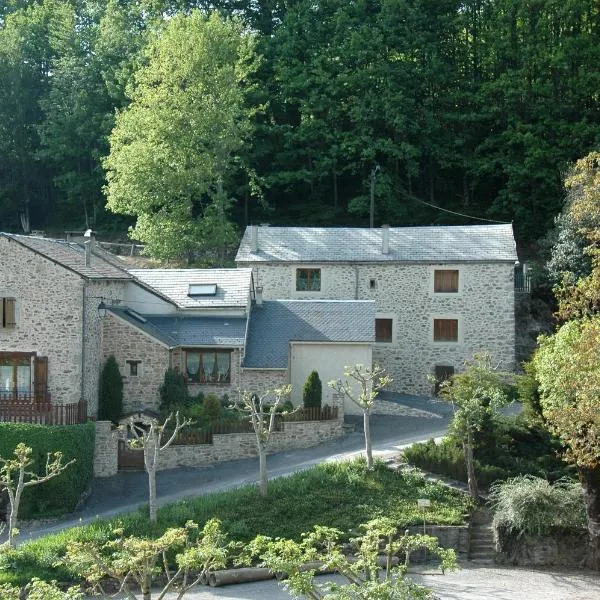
x=452, y=212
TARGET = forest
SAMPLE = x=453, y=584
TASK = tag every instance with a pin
x=189, y=119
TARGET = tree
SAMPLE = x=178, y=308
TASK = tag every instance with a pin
x=149, y=438
x=567, y=368
x=312, y=393
x=476, y=394
x=37, y=589
x=370, y=381
x=135, y=562
x=175, y=147
x=110, y=399
x=173, y=391
x=377, y=571
x=14, y=477
x=262, y=410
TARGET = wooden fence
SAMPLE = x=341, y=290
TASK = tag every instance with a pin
x=42, y=413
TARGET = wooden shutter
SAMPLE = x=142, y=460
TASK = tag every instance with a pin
x=445, y=330
x=41, y=378
x=445, y=281
x=10, y=312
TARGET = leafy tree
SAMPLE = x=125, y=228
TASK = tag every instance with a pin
x=370, y=382
x=176, y=146
x=262, y=412
x=367, y=576
x=14, y=478
x=476, y=394
x=110, y=399
x=149, y=438
x=313, y=391
x=568, y=371
x=37, y=589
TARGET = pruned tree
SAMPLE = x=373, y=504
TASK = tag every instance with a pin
x=37, y=589
x=149, y=438
x=376, y=570
x=262, y=410
x=476, y=395
x=135, y=563
x=370, y=382
x=15, y=478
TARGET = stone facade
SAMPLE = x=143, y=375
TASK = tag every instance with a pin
x=264, y=379
x=106, y=450
x=403, y=292
x=141, y=390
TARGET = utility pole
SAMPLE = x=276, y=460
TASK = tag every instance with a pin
x=374, y=172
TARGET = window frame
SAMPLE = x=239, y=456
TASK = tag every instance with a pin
x=15, y=360
x=386, y=317
x=452, y=292
x=133, y=363
x=309, y=270
x=203, y=380
x=458, y=338
x=6, y=301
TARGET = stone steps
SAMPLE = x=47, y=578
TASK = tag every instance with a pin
x=482, y=548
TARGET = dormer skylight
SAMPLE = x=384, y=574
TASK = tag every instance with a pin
x=135, y=315
x=202, y=289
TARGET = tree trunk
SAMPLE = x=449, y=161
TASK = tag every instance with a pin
x=264, y=480
x=152, y=492
x=12, y=519
x=590, y=481
x=368, y=449
x=471, y=479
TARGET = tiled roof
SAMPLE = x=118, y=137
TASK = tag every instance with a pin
x=432, y=244
x=277, y=322
x=72, y=256
x=188, y=331
x=233, y=285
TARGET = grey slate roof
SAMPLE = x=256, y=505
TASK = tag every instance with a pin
x=277, y=322
x=189, y=331
x=431, y=244
x=71, y=255
x=233, y=285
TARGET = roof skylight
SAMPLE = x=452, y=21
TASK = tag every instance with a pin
x=202, y=289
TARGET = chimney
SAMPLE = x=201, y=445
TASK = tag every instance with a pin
x=385, y=239
x=258, y=296
x=88, y=252
x=254, y=238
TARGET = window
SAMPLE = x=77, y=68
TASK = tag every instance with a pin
x=8, y=312
x=308, y=280
x=372, y=284
x=202, y=289
x=445, y=330
x=22, y=374
x=445, y=281
x=134, y=367
x=384, y=331
x=208, y=366
x=442, y=373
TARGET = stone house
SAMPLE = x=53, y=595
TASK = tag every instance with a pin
x=442, y=293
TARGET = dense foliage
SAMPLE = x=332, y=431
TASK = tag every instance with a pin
x=110, y=397
x=475, y=107
x=340, y=495
x=312, y=394
x=59, y=495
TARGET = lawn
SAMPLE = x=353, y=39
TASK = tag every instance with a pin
x=341, y=495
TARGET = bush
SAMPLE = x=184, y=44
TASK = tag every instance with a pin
x=173, y=392
x=110, y=399
x=212, y=407
x=313, y=391
x=61, y=494
x=533, y=506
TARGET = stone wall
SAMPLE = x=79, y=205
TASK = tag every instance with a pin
x=449, y=536
x=484, y=307
x=126, y=342
x=106, y=450
x=49, y=314
x=259, y=380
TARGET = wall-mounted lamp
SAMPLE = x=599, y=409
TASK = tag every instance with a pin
x=102, y=309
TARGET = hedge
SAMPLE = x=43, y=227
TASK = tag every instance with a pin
x=61, y=494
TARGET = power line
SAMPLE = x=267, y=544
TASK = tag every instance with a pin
x=452, y=212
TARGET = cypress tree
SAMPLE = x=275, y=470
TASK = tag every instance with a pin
x=110, y=401
x=313, y=391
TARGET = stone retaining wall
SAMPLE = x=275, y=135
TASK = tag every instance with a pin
x=449, y=536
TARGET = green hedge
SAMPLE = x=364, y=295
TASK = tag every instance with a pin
x=61, y=494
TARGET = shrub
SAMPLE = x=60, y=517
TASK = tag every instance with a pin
x=532, y=505
x=212, y=407
x=110, y=399
x=313, y=391
x=61, y=494
x=173, y=392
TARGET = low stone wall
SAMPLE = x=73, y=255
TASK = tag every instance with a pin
x=106, y=451
x=564, y=550
x=232, y=446
x=449, y=536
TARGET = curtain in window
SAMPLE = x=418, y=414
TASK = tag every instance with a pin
x=208, y=362
x=192, y=364
x=24, y=378
x=223, y=361
x=6, y=378
x=315, y=280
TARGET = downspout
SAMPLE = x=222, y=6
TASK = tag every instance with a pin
x=83, y=329
x=355, y=267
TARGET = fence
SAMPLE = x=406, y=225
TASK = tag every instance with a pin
x=42, y=413
x=522, y=281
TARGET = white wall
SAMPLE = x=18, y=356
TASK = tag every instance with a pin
x=329, y=360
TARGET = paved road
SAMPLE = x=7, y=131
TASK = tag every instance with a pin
x=407, y=419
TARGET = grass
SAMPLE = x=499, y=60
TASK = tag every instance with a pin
x=341, y=495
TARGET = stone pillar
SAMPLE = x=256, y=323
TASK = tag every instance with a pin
x=106, y=451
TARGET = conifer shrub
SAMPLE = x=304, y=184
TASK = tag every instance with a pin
x=212, y=407
x=313, y=391
x=173, y=392
x=110, y=400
